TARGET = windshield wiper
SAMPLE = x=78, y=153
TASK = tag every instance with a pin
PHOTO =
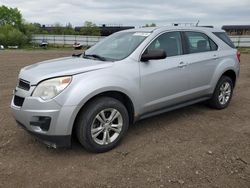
x=77, y=55
x=94, y=56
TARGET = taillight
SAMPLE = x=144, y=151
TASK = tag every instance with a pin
x=238, y=55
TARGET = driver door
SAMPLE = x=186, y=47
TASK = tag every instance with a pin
x=164, y=82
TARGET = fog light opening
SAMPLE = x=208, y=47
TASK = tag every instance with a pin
x=43, y=122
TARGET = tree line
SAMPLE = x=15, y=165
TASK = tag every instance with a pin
x=14, y=30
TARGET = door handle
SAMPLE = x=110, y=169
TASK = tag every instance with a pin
x=182, y=64
x=215, y=57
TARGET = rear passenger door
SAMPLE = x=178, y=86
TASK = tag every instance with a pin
x=202, y=58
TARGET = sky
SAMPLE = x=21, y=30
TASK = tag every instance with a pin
x=134, y=12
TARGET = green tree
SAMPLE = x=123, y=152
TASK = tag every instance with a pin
x=68, y=30
x=10, y=16
x=44, y=32
x=16, y=37
x=150, y=25
x=57, y=29
x=33, y=28
x=2, y=39
x=91, y=29
x=10, y=36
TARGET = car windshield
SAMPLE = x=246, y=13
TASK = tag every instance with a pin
x=117, y=46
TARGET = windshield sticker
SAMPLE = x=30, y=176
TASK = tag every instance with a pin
x=142, y=34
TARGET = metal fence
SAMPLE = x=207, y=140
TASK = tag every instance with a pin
x=66, y=39
x=239, y=41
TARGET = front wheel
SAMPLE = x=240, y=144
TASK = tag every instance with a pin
x=102, y=124
x=222, y=94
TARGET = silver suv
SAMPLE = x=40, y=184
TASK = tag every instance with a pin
x=127, y=76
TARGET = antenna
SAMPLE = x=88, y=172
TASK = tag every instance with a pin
x=197, y=24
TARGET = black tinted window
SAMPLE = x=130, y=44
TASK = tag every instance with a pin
x=169, y=42
x=213, y=46
x=199, y=42
x=223, y=36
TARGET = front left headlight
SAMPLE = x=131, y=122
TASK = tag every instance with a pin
x=49, y=89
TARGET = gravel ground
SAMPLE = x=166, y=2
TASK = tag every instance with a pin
x=190, y=147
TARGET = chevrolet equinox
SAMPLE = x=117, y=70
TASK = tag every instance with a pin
x=128, y=76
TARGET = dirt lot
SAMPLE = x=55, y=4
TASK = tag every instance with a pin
x=191, y=147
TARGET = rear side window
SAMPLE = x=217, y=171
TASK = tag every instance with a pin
x=223, y=36
x=199, y=42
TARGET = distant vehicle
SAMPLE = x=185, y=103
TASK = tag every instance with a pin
x=1, y=47
x=13, y=47
x=77, y=46
x=44, y=44
x=128, y=76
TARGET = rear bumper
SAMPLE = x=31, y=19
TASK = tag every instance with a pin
x=54, y=141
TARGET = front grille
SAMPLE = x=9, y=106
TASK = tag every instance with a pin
x=18, y=101
x=23, y=84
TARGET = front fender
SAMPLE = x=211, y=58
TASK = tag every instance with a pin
x=86, y=86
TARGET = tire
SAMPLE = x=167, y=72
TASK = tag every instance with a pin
x=94, y=128
x=216, y=101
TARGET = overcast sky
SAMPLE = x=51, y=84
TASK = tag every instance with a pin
x=132, y=12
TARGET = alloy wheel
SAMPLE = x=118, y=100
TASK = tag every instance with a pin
x=225, y=93
x=106, y=126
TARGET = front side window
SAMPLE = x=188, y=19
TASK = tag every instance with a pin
x=199, y=42
x=169, y=42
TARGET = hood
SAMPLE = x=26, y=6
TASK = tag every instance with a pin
x=60, y=67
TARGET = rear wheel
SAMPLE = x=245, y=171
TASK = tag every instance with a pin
x=222, y=94
x=102, y=124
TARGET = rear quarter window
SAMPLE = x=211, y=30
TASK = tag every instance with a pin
x=223, y=36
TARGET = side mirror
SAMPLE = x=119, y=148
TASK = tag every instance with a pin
x=153, y=54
